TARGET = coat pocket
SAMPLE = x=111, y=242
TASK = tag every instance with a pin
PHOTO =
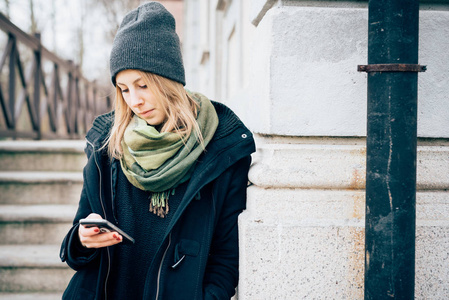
x=185, y=248
x=82, y=286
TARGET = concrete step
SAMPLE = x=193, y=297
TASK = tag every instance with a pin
x=32, y=268
x=66, y=155
x=31, y=296
x=35, y=224
x=20, y=187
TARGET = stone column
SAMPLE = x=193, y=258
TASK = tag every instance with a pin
x=302, y=235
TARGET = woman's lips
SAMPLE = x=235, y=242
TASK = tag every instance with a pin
x=146, y=113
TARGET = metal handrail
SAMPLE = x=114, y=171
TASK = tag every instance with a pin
x=54, y=109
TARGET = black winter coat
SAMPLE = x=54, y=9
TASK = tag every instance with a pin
x=198, y=258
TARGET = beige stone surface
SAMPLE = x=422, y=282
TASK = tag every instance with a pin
x=302, y=235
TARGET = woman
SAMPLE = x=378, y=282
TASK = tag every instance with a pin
x=168, y=167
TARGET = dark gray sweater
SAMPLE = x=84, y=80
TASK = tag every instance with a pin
x=132, y=261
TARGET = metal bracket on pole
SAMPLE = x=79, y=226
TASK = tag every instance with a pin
x=391, y=68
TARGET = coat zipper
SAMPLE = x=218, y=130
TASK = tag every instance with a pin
x=160, y=267
x=104, y=212
x=114, y=214
x=162, y=262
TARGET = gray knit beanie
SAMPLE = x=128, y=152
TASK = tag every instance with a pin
x=146, y=40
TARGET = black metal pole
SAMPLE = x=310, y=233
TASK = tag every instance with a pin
x=12, y=82
x=37, y=87
x=391, y=149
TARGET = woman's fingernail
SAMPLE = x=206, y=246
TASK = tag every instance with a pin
x=115, y=236
x=97, y=230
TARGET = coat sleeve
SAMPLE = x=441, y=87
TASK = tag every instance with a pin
x=221, y=276
x=72, y=252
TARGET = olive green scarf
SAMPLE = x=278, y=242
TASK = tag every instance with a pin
x=159, y=161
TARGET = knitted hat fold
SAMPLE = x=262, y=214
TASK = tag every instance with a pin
x=146, y=40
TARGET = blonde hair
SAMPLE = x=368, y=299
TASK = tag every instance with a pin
x=181, y=111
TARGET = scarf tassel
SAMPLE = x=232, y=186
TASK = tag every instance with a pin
x=159, y=203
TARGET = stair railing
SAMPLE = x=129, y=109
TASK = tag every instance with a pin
x=51, y=99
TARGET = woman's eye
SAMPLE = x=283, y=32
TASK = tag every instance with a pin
x=143, y=86
x=125, y=91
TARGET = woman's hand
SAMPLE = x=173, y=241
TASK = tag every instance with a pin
x=93, y=238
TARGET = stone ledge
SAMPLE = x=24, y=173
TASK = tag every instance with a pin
x=42, y=161
x=30, y=256
x=336, y=167
x=309, y=166
x=59, y=146
x=37, y=213
x=30, y=296
x=19, y=188
x=308, y=207
x=34, y=280
x=40, y=177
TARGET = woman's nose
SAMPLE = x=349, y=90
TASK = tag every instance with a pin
x=136, y=99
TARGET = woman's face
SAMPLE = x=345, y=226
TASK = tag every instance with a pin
x=139, y=98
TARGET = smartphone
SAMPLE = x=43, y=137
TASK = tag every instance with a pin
x=105, y=226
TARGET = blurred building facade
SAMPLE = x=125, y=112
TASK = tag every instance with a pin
x=289, y=70
x=176, y=7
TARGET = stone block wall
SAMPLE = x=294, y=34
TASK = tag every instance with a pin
x=302, y=234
